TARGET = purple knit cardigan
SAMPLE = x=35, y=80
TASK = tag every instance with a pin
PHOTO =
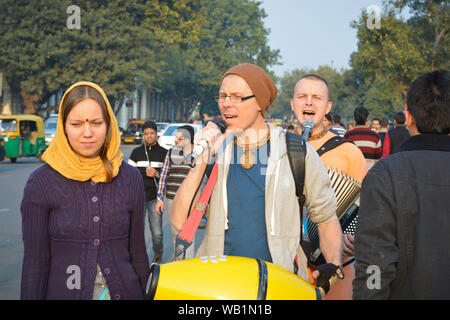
x=69, y=227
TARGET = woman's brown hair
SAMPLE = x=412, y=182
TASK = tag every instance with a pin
x=81, y=93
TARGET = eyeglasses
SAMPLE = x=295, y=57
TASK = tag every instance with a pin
x=234, y=99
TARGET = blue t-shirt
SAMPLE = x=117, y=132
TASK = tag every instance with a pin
x=246, y=235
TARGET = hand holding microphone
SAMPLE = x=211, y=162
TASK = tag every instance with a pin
x=211, y=136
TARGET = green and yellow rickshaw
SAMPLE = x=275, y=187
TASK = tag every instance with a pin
x=23, y=136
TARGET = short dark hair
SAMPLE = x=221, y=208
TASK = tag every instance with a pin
x=149, y=124
x=315, y=77
x=384, y=122
x=360, y=115
x=337, y=118
x=428, y=102
x=187, y=132
x=400, y=118
x=329, y=118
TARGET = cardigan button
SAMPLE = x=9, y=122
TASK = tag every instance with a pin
x=107, y=271
x=96, y=219
x=94, y=199
x=96, y=242
x=117, y=297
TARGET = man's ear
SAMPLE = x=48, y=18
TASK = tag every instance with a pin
x=329, y=105
x=292, y=105
x=408, y=118
x=411, y=123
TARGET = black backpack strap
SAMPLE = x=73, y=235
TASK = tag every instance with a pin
x=296, y=150
x=331, y=144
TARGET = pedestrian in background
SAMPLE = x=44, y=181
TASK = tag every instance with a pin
x=375, y=126
x=398, y=134
x=82, y=211
x=327, y=121
x=403, y=223
x=174, y=171
x=351, y=125
x=384, y=127
x=337, y=127
x=149, y=159
x=367, y=140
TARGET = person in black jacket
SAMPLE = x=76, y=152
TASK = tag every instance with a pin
x=149, y=158
x=403, y=221
x=399, y=133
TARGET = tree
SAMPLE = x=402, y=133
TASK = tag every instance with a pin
x=390, y=58
x=27, y=31
x=233, y=33
x=431, y=20
x=119, y=45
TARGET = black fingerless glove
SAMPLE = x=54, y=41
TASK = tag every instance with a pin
x=328, y=275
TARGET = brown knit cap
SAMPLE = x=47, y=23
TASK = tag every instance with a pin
x=259, y=82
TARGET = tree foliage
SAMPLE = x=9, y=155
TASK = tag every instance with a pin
x=390, y=58
x=231, y=32
x=119, y=45
x=386, y=61
x=178, y=48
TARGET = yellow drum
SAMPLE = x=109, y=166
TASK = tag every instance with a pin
x=226, y=278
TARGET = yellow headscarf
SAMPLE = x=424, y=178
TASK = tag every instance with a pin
x=71, y=165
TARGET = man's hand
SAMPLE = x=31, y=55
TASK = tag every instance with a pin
x=326, y=275
x=159, y=207
x=151, y=172
x=214, y=137
x=348, y=240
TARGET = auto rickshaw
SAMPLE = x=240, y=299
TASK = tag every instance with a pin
x=23, y=136
x=133, y=133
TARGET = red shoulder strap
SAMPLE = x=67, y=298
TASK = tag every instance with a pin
x=193, y=221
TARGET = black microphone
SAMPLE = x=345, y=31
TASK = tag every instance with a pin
x=308, y=125
x=203, y=144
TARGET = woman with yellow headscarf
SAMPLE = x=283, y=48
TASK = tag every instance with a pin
x=83, y=211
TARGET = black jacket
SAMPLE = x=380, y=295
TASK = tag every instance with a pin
x=397, y=136
x=403, y=228
x=138, y=159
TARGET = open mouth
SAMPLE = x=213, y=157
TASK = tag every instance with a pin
x=229, y=116
x=309, y=113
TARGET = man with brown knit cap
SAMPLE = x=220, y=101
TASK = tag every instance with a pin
x=254, y=211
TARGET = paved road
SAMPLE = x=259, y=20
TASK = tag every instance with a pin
x=12, y=182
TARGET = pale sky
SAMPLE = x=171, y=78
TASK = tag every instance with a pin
x=313, y=33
